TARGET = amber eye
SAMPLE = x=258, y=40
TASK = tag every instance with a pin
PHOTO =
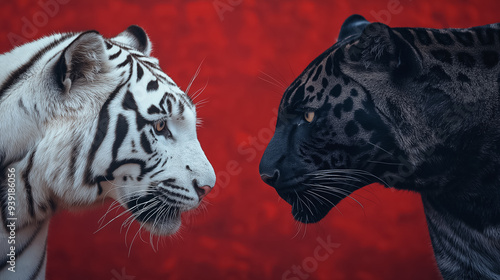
x=309, y=116
x=160, y=126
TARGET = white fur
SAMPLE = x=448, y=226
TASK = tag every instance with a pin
x=67, y=120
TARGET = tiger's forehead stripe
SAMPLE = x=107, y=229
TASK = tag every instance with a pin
x=104, y=121
x=173, y=101
x=143, y=63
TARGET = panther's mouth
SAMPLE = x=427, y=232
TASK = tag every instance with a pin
x=309, y=205
x=297, y=192
x=312, y=198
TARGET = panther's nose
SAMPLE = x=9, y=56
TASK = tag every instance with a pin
x=201, y=191
x=270, y=180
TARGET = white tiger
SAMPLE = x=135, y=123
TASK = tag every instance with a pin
x=84, y=118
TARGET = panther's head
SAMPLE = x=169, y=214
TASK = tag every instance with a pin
x=331, y=138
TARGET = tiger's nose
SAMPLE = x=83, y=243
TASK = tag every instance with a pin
x=270, y=180
x=201, y=191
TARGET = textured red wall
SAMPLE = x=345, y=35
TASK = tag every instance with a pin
x=251, y=50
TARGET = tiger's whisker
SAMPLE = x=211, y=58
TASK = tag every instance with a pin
x=194, y=77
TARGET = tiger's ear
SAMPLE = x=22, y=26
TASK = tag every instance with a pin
x=81, y=61
x=380, y=49
x=135, y=37
x=353, y=26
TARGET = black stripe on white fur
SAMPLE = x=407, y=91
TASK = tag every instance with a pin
x=91, y=120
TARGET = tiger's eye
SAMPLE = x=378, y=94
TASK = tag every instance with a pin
x=160, y=126
x=309, y=116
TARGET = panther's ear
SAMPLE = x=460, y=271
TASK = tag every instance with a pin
x=81, y=61
x=379, y=48
x=135, y=37
x=352, y=26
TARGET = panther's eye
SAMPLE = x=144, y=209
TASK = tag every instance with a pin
x=309, y=116
x=160, y=126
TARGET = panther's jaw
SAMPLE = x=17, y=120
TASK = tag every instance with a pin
x=302, y=199
x=307, y=217
x=298, y=193
x=312, y=197
x=302, y=211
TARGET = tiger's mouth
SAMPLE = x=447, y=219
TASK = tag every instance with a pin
x=157, y=212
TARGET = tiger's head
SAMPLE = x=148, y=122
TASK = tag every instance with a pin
x=106, y=121
x=157, y=167
x=335, y=133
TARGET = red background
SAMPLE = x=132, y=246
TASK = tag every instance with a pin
x=249, y=58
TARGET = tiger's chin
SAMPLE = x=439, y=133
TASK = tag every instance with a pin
x=160, y=222
x=167, y=227
x=157, y=216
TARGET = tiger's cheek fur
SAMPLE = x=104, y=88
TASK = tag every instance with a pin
x=85, y=110
x=147, y=162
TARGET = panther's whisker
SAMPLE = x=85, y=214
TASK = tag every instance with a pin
x=333, y=182
x=305, y=197
x=307, y=206
x=380, y=148
x=316, y=176
x=383, y=162
x=319, y=197
x=364, y=173
x=364, y=189
x=349, y=173
x=313, y=194
x=273, y=81
x=279, y=75
x=305, y=227
x=329, y=191
x=298, y=227
x=338, y=190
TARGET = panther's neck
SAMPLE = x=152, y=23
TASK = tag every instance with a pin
x=465, y=245
x=23, y=250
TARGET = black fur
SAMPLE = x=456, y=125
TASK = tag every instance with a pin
x=410, y=108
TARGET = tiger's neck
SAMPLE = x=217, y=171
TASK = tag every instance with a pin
x=28, y=200
x=23, y=250
x=23, y=234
